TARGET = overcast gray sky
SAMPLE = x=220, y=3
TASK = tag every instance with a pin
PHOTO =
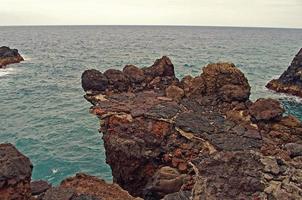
x=265, y=13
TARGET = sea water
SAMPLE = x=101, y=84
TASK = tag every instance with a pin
x=42, y=109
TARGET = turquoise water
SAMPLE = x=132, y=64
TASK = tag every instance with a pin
x=43, y=111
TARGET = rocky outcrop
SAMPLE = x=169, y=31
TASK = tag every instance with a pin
x=198, y=138
x=15, y=182
x=9, y=56
x=291, y=80
x=15, y=174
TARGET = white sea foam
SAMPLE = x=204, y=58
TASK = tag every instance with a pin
x=6, y=71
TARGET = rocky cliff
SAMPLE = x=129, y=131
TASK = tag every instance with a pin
x=196, y=138
x=291, y=80
x=9, y=56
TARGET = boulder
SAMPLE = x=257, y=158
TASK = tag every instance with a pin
x=135, y=74
x=266, y=109
x=93, y=80
x=174, y=92
x=291, y=80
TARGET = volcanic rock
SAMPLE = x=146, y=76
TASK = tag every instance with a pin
x=89, y=187
x=200, y=138
x=291, y=80
x=15, y=174
x=9, y=56
x=93, y=80
x=39, y=187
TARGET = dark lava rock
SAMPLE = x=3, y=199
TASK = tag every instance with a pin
x=94, y=80
x=15, y=174
x=291, y=80
x=85, y=197
x=266, y=109
x=222, y=145
x=39, y=187
x=9, y=56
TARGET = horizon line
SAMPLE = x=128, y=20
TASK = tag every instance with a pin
x=149, y=25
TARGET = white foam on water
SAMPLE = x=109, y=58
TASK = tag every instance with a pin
x=7, y=71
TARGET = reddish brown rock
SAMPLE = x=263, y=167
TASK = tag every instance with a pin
x=291, y=80
x=225, y=146
x=266, y=109
x=174, y=92
x=135, y=74
x=15, y=174
x=94, y=188
x=9, y=56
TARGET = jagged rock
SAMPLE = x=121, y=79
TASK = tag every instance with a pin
x=94, y=80
x=226, y=146
x=15, y=174
x=162, y=67
x=9, y=56
x=291, y=80
x=294, y=149
x=266, y=109
x=39, y=187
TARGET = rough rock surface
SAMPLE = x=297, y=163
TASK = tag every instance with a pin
x=210, y=143
x=9, y=56
x=291, y=80
x=15, y=174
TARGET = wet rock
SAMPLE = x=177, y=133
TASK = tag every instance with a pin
x=266, y=109
x=15, y=174
x=94, y=80
x=291, y=80
x=174, y=92
x=9, y=56
x=39, y=187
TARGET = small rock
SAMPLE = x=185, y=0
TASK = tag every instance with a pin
x=39, y=187
x=174, y=92
x=294, y=149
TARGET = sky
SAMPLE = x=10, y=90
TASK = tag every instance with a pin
x=247, y=13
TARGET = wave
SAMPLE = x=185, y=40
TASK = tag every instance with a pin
x=7, y=71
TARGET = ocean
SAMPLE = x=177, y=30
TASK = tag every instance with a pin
x=43, y=111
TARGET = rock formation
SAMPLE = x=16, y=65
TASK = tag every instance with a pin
x=198, y=138
x=9, y=56
x=15, y=174
x=291, y=80
x=15, y=182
